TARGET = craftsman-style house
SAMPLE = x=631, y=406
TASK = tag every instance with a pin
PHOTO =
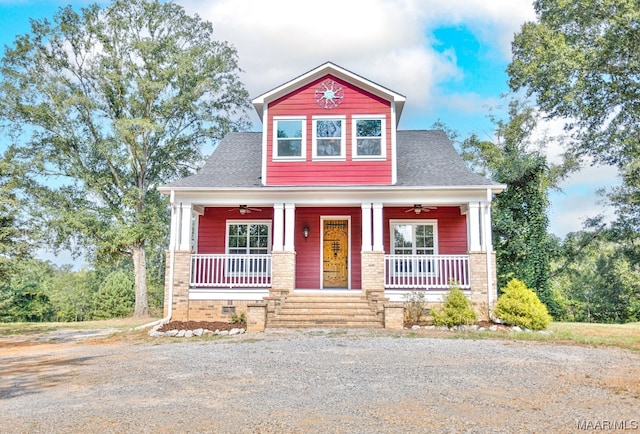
x=328, y=217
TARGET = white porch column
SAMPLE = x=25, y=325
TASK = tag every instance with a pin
x=473, y=226
x=185, y=227
x=278, y=227
x=485, y=227
x=378, y=234
x=366, y=227
x=488, y=246
x=289, y=226
x=175, y=226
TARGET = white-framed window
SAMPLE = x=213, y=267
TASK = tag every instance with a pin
x=247, y=238
x=329, y=138
x=369, y=133
x=414, y=238
x=289, y=138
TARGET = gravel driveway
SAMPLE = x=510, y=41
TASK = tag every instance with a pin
x=316, y=381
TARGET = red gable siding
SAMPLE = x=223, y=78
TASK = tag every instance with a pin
x=348, y=172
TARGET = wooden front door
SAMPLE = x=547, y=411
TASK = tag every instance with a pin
x=335, y=253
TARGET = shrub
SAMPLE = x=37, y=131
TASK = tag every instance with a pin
x=520, y=306
x=457, y=310
x=414, y=307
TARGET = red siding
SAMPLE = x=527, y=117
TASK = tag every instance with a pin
x=308, y=251
x=347, y=172
x=212, y=226
x=452, y=227
x=452, y=235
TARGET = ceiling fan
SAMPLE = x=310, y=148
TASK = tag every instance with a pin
x=417, y=208
x=244, y=209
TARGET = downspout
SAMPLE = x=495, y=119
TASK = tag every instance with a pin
x=172, y=256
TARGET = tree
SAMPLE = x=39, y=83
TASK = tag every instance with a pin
x=581, y=62
x=12, y=237
x=597, y=277
x=115, y=296
x=105, y=105
x=520, y=220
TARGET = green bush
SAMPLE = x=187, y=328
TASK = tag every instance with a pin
x=520, y=306
x=457, y=310
x=414, y=307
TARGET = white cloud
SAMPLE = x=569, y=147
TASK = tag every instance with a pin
x=387, y=41
x=579, y=199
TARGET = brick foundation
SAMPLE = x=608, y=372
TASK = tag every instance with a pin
x=283, y=273
x=181, y=270
x=478, y=281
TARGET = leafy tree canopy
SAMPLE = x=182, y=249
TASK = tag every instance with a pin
x=581, y=62
x=105, y=105
x=520, y=220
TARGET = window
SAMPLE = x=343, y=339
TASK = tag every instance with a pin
x=289, y=139
x=248, y=238
x=329, y=138
x=414, y=238
x=369, y=135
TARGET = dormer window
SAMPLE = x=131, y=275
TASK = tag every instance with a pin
x=329, y=138
x=289, y=138
x=369, y=137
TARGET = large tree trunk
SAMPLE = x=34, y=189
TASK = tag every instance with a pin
x=140, y=280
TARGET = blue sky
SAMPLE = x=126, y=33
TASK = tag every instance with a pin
x=447, y=58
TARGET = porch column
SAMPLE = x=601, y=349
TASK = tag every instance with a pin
x=378, y=235
x=283, y=261
x=366, y=227
x=373, y=260
x=184, y=242
x=289, y=226
x=175, y=227
x=473, y=226
x=278, y=227
x=487, y=241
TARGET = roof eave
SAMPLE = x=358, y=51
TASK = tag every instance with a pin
x=495, y=188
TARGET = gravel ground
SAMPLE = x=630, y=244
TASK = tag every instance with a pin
x=318, y=382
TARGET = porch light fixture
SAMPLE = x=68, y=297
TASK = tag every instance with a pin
x=243, y=209
x=417, y=208
x=305, y=232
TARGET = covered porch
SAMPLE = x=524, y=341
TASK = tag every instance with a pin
x=380, y=250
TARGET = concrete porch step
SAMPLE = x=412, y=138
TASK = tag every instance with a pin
x=325, y=310
x=323, y=323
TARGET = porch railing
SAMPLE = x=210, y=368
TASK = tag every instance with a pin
x=230, y=271
x=426, y=271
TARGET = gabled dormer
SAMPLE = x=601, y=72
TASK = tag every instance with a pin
x=329, y=127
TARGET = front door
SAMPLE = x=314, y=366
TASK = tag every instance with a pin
x=335, y=253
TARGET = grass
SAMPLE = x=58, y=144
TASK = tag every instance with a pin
x=626, y=336
x=27, y=328
x=616, y=335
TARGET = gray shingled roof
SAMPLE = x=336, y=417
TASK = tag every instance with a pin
x=426, y=158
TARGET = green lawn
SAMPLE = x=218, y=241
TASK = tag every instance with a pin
x=625, y=336
x=16, y=328
x=616, y=335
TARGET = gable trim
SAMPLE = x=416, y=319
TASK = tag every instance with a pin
x=260, y=103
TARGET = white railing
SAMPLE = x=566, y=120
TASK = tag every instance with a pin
x=230, y=271
x=426, y=271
